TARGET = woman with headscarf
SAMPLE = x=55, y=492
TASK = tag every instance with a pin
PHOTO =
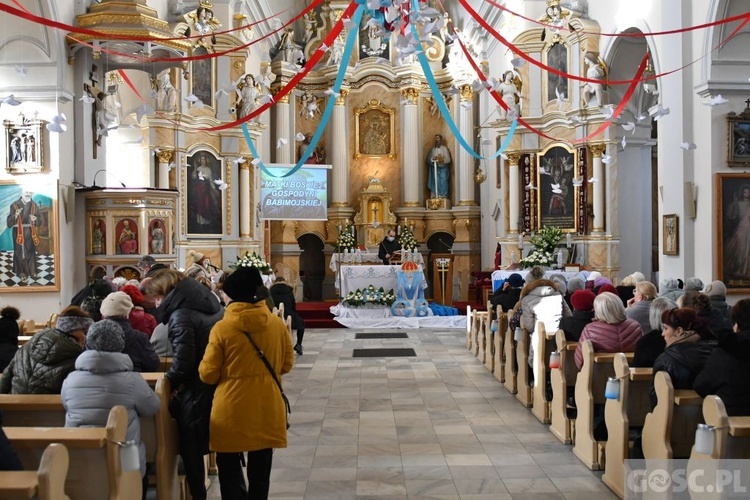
x=190, y=310
x=249, y=412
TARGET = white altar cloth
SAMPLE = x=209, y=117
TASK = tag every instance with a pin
x=361, y=258
x=360, y=277
x=434, y=322
x=501, y=275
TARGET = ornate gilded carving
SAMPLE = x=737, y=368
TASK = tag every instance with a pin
x=597, y=149
x=466, y=93
x=229, y=196
x=341, y=99
x=513, y=158
x=374, y=131
x=410, y=95
x=238, y=64
x=165, y=155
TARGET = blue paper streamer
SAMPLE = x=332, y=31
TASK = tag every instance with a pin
x=346, y=55
x=438, y=96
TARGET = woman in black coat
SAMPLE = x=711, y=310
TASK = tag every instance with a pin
x=190, y=310
x=652, y=344
x=8, y=335
x=281, y=293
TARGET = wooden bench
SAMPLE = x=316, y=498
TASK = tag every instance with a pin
x=479, y=334
x=669, y=430
x=544, y=344
x=524, y=392
x=590, y=385
x=97, y=470
x=511, y=368
x=158, y=433
x=561, y=425
x=469, y=327
x=629, y=410
x=22, y=339
x=165, y=363
x=47, y=483
x=488, y=358
x=729, y=433
x=498, y=342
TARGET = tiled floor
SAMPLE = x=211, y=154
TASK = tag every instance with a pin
x=437, y=426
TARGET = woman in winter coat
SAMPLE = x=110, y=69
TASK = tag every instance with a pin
x=541, y=301
x=638, y=306
x=583, y=314
x=249, y=413
x=710, y=316
x=42, y=363
x=116, y=307
x=610, y=331
x=139, y=319
x=8, y=335
x=190, y=310
x=652, y=344
x=689, y=344
x=104, y=378
x=281, y=293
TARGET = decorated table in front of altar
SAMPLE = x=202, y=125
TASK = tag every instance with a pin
x=360, y=258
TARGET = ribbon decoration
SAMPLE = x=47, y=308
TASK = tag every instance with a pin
x=345, y=56
x=615, y=35
x=316, y=57
x=440, y=101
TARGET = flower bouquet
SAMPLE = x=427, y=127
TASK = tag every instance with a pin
x=371, y=296
x=544, y=243
x=407, y=240
x=346, y=240
x=252, y=260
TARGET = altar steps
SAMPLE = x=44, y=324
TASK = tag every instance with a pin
x=317, y=314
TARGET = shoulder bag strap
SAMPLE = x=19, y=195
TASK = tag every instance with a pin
x=263, y=358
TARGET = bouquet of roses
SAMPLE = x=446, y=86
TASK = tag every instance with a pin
x=346, y=239
x=370, y=295
x=252, y=260
x=407, y=240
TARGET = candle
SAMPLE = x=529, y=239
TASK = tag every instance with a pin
x=406, y=222
x=559, y=258
x=704, y=439
x=520, y=241
x=569, y=240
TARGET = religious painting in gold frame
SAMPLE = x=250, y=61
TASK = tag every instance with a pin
x=557, y=85
x=202, y=78
x=733, y=227
x=29, y=247
x=671, y=235
x=374, y=131
x=556, y=194
x=739, y=139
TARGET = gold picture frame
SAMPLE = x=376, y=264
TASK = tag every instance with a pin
x=24, y=142
x=374, y=131
x=739, y=139
x=670, y=234
x=557, y=164
x=732, y=207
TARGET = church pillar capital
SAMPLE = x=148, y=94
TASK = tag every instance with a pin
x=514, y=187
x=341, y=99
x=513, y=158
x=247, y=164
x=466, y=93
x=410, y=95
x=165, y=155
x=597, y=149
x=164, y=158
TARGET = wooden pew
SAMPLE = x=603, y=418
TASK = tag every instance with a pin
x=590, y=385
x=488, y=360
x=97, y=470
x=511, y=368
x=561, y=425
x=544, y=345
x=165, y=363
x=481, y=325
x=523, y=383
x=158, y=433
x=498, y=342
x=669, y=430
x=620, y=415
x=730, y=433
x=46, y=483
x=469, y=327
x=22, y=339
x=52, y=321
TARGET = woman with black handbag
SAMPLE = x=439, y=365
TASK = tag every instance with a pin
x=248, y=351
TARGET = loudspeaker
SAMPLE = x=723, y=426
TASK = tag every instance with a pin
x=691, y=200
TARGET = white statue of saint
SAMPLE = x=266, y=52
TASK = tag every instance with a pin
x=592, y=92
x=510, y=91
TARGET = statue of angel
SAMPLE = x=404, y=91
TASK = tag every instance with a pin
x=310, y=106
x=510, y=91
x=247, y=96
x=592, y=92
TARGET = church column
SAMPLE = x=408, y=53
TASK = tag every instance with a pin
x=596, y=151
x=514, y=188
x=283, y=154
x=164, y=157
x=412, y=161
x=246, y=198
x=340, y=153
x=465, y=159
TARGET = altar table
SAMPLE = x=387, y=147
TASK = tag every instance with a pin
x=360, y=277
x=359, y=259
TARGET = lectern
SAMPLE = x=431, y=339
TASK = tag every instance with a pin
x=442, y=278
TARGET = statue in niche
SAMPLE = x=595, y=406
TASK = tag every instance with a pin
x=557, y=85
x=438, y=169
x=510, y=90
x=336, y=52
x=310, y=25
x=309, y=107
x=266, y=77
x=166, y=94
x=372, y=32
x=592, y=92
x=247, y=96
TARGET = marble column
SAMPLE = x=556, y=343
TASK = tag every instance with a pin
x=411, y=157
x=164, y=158
x=340, y=153
x=514, y=188
x=599, y=186
x=246, y=198
x=465, y=159
x=283, y=154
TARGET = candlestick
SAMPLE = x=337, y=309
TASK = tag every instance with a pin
x=569, y=240
x=406, y=222
x=520, y=242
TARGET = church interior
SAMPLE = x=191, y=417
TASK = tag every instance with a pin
x=159, y=127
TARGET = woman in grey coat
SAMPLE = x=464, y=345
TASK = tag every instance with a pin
x=104, y=378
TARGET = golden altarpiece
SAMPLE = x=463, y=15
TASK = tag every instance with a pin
x=374, y=217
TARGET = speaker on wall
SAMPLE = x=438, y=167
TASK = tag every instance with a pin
x=691, y=199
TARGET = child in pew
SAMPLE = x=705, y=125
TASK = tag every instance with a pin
x=42, y=363
x=104, y=378
x=727, y=370
x=689, y=343
x=8, y=334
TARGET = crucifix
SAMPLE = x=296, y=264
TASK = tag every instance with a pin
x=97, y=109
x=748, y=103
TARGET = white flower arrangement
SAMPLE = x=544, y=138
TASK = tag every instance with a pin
x=407, y=240
x=544, y=244
x=252, y=260
x=370, y=295
x=346, y=240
